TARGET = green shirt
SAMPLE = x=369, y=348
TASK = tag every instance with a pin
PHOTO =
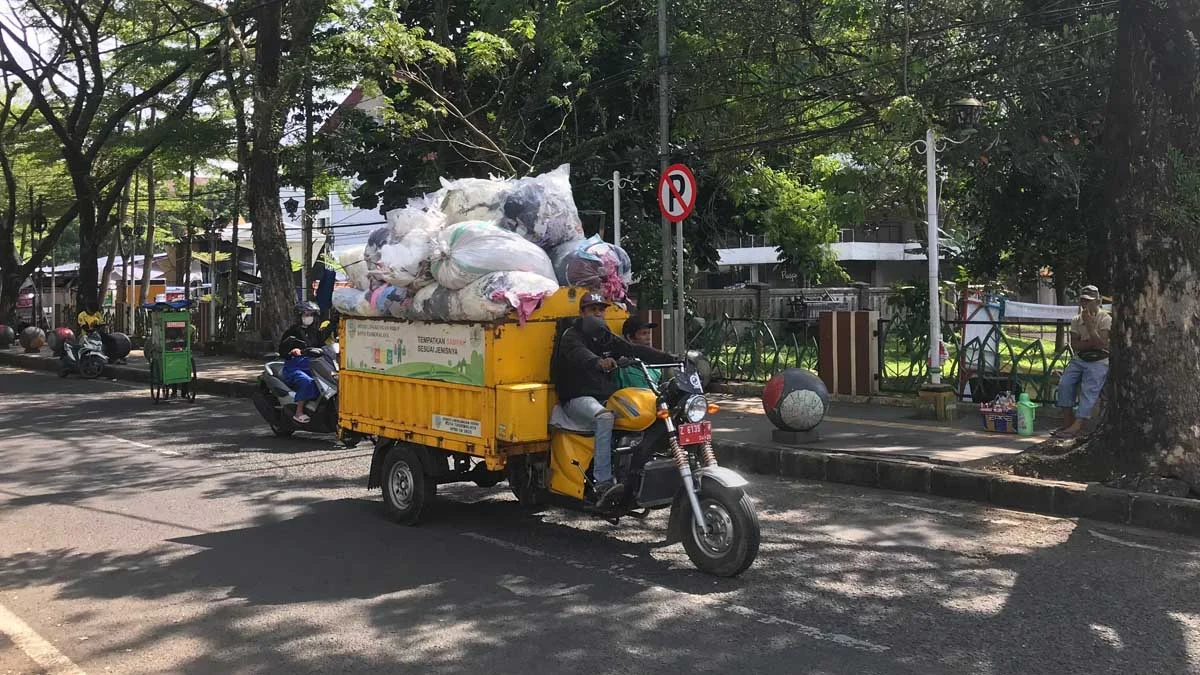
x=631, y=376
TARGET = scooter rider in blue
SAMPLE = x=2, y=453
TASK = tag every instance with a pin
x=297, y=373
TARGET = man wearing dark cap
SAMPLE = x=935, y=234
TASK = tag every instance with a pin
x=638, y=332
x=1085, y=375
x=581, y=370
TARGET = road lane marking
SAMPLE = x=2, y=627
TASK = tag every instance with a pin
x=126, y=440
x=35, y=646
x=952, y=514
x=1131, y=544
x=713, y=603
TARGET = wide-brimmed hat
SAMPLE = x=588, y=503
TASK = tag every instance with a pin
x=1089, y=292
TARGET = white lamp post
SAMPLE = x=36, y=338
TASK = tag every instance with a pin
x=966, y=115
x=616, y=184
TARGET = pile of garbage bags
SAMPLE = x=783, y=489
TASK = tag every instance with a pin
x=478, y=249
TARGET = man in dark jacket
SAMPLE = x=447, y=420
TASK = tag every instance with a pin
x=296, y=372
x=582, y=375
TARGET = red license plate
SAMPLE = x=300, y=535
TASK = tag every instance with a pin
x=695, y=434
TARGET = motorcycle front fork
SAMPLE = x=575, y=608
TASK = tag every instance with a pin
x=685, y=470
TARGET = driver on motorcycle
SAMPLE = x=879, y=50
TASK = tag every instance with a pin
x=90, y=319
x=581, y=371
x=297, y=373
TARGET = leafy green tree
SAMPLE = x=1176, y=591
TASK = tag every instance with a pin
x=87, y=68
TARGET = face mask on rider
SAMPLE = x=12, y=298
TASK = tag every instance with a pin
x=307, y=320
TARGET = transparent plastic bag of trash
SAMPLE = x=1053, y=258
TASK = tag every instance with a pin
x=419, y=214
x=353, y=302
x=493, y=296
x=596, y=264
x=542, y=209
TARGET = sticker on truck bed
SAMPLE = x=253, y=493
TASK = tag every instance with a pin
x=458, y=425
x=427, y=351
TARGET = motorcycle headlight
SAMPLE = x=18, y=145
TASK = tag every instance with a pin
x=695, y=408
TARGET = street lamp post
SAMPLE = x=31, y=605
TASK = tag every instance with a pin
x=616, y=183
x=966, y=115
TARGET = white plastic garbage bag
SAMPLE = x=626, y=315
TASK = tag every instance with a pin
x=415, y=216
x=355, y=268
x=466, y=251
x=542, y=209
x=469, y=199
x=403, y=263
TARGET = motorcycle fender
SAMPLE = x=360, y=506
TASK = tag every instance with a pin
x=719, y=474
x=725, y=477
x=375, y=477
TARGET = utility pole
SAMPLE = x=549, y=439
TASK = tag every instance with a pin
x=187, y=261
x=664, y=151
x=234, y=297
x=37, y=317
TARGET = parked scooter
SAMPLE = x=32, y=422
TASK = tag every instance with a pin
x=85, y=357
x=276, y=401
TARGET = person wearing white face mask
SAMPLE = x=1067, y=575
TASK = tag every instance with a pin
x=296, y=372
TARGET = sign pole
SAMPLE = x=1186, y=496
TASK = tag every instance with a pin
x=681, y=305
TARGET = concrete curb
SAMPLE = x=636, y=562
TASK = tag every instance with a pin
x=1054, y=498
x=204, y=385
x=755, y=390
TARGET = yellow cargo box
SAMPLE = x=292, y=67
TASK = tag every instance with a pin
x=480, y=389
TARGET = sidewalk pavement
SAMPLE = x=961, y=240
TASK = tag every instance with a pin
x=881, y=431
x=849, y=428
x=217, y=375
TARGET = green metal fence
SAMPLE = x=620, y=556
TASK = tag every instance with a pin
x=753, y=350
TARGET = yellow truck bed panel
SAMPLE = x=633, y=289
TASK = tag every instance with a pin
x=479, y=389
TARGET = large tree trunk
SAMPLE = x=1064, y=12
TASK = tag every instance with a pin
x=1154, y=409
x=1152, y=423
x=273, y=94
x=151, y=218
x=262, y=177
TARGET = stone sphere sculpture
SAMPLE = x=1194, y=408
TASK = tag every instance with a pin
x=795, y=400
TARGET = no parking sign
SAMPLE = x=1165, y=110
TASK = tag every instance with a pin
x=677, y=193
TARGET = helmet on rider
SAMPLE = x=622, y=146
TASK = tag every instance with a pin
x=306, y=312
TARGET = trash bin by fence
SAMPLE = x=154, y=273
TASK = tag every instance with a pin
x=848, y=352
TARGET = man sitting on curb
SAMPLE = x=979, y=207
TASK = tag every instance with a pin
x=1085, y=375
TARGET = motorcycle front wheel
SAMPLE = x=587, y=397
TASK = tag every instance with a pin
x=730, y=544
x=91, y=367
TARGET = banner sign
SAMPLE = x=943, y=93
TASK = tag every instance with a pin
x=428, y=351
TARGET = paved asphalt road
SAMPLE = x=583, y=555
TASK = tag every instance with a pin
x=187, y=539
